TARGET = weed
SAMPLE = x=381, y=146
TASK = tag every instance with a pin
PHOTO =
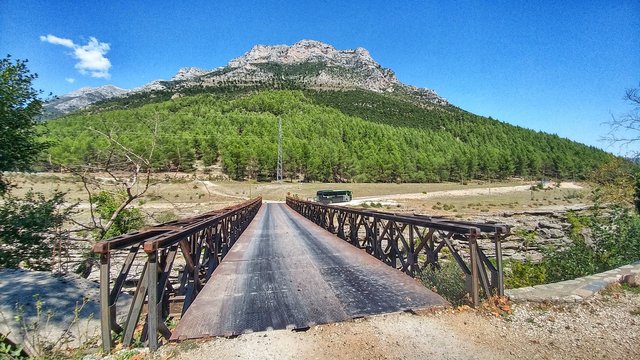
x=127, y=354
x=449, y=281
x=34, y=331
x=613, y=289
x=10, y=351
x=631, y=289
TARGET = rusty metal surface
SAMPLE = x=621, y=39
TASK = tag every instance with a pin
x=286, y=272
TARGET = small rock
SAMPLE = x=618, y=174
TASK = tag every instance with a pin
x=548, y=225
x=551, y=233
x=632, y=280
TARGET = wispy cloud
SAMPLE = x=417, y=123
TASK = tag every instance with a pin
x=57, y=41
x=91, y=57
x=70, y=80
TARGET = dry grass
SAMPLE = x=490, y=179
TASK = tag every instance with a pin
x=186, y=194
x=499, y=203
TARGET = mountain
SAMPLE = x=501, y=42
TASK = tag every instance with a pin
x=345, y=118
x=307, y=64
x=80, y=99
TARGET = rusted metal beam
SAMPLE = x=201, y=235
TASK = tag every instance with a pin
x=392, y=238
x=203, y=241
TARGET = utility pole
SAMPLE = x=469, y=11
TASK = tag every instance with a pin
x=279, y=169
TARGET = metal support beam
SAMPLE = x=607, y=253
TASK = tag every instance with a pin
x=401, y=241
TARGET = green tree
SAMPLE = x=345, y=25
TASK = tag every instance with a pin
x=126, y=220
x=19, y=107
x=27, y=225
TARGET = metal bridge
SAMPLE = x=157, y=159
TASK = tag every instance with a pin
x=285, y=267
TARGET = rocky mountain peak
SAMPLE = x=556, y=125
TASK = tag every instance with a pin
x=303, y=51
x=106, y=90
x=186, y=73
x=307, y=63
x=80, y=99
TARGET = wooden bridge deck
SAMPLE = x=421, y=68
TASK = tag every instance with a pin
x=286, y=272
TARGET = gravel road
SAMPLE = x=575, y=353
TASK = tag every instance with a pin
x=605, y=327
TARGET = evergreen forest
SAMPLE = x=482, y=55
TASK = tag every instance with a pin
x=330, y=136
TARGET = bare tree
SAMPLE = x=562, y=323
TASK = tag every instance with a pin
x=625, y=129
x=129, y=174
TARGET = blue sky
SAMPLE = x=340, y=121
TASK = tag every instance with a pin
x=556, y=66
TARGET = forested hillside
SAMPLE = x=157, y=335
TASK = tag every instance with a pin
x=328, y=136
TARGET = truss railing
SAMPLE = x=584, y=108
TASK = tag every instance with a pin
x=412, y=242
x=202, y=241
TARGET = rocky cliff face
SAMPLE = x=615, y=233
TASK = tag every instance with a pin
x=187, y=73
x=314, y=64
x=307, y=64
x=80, y=99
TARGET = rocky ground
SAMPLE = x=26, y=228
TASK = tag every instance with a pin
x=605, y=326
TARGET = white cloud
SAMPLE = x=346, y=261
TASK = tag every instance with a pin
x=91, y=57
x=52, y=39
x=70, y=80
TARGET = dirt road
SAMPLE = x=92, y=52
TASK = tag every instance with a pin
x=606, y=327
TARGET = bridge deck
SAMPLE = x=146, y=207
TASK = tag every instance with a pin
x=286, y=272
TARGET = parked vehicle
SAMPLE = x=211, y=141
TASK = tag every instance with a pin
x=333, y=196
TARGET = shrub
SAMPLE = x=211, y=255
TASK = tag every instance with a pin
x=616, y=242
x=449, y=281
x=26, y=229
x=524, y=273
x=128, y=219
x=166, y=216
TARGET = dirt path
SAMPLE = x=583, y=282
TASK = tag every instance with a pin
x=453, y=193
x=606, y=327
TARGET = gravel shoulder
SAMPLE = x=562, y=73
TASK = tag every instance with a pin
x=605, y=326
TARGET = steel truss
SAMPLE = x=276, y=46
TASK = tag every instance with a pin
x=202, y=241
x=412, y=242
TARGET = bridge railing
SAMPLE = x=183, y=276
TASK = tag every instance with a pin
x=202, y=241
x=412, y=242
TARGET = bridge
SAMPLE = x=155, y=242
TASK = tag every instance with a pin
x=256, y=267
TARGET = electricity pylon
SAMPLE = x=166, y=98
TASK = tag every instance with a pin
x=279, y=169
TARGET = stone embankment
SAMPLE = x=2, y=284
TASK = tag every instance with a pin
x=579, y=289
x=533, y=231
